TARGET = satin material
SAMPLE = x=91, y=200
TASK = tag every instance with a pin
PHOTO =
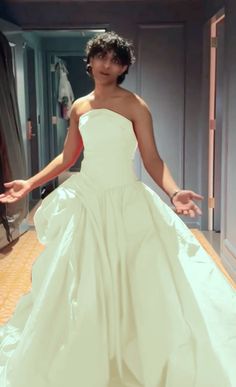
x=123, y=294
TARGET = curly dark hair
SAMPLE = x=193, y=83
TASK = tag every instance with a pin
x=107, y=41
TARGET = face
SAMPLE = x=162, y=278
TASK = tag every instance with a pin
x=106, y=67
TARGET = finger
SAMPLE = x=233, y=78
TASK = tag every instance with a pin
x=11, y=200
x=191, y=213
x=8, y=184
x=185, y=212
x=5, y=194
x=15, y=195
x=199, y=212
x=181, y=208
x=178, y=211
x=5, y=200
x=196, y=209
x=197, y=196
x=8, y=198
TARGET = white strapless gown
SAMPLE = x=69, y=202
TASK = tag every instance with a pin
x=123, y=294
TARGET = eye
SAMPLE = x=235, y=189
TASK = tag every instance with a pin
x=116, y=60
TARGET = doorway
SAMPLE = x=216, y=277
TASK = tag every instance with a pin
x=215, y=121
x=32, y=118
x=66, y=48
x=74, y=65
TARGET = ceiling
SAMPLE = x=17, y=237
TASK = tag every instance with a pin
x=108, y=1
x=71, y=14
x=67, y=33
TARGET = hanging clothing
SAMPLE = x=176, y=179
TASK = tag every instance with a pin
x=12, y=159
x=65, y=92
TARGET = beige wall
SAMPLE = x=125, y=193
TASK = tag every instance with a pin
x=228, y=244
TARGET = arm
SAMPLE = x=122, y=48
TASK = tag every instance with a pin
x=152, y=161
x=73, y=146
x=156, y=167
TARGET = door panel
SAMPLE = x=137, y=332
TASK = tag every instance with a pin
x=219, y=122
x=31, y=113
x=57, y=125
x=161, y=85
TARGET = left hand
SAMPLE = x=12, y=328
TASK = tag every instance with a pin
x=184, y=204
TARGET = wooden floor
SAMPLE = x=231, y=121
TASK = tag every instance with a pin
x=16, y=264
x=15, y=271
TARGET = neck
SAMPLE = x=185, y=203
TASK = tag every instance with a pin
x=102, y=91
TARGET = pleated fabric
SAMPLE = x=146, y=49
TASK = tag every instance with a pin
x=123, y=294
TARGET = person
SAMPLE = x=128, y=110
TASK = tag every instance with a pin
x=108, y=72
x=122, y=294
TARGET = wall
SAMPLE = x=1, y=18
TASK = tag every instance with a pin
x=35, y=42
x=125, y=18
x=228, y=186
x=228, y=242
x=16, y=36
x=211, y=7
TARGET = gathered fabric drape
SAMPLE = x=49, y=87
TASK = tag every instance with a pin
x=12, y=158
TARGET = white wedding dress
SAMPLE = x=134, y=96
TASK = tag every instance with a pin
x=123, y=294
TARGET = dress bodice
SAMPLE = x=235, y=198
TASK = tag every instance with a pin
x=109, y=147
x=100, y=131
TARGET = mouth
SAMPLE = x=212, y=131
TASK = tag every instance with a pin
x=104, y=73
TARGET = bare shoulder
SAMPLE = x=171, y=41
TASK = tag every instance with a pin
x=139, y=109
x=79, y=106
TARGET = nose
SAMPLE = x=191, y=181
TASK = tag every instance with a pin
x=106, y=63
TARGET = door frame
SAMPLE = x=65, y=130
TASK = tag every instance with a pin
x=218, y=17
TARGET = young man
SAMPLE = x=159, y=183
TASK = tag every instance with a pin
x=108, y=59
x=111, y=280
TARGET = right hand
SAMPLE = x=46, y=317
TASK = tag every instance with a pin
x=15, y=190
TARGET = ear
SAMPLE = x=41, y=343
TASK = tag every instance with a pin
x=124, y=68
x=90, y=60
